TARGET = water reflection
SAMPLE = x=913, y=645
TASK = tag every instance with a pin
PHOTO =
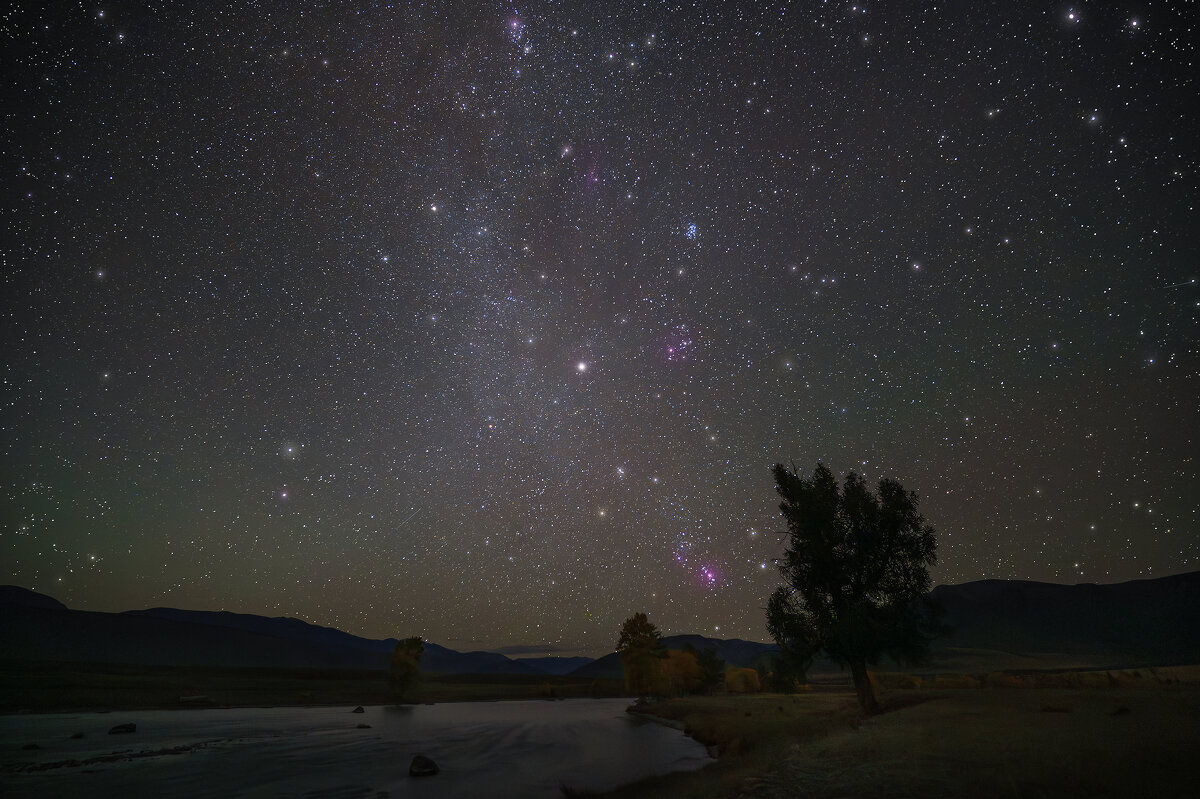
x=518, y=749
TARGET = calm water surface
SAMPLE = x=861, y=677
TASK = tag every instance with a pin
x=501, y=749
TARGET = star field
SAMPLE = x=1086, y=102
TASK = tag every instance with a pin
x=485, y=322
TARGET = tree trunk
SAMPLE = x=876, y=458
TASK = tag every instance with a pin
x=863, y=687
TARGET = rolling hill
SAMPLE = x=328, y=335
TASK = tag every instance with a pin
x=1156, y=622
x=1016, y=623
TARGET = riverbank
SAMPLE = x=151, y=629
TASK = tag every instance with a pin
x=529, y=749
x=986, y=742
x=747, y=734
x=74, y=687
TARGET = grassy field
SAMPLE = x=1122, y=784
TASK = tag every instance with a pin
x=54, y=687
x=983, y=742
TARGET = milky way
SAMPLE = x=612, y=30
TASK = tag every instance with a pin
x=485, y=322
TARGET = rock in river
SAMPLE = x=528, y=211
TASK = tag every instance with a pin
x=358, y=709
x=122, y=729
x=422, y=767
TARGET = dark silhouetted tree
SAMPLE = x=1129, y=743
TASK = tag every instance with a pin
x=788, y=671
x=798, y=643
x=857, y=572
x=640, y=647
x=712, y=668
x=404, y=672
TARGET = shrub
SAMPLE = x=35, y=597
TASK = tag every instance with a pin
x=742, y=681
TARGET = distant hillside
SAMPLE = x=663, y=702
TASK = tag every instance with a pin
x=1013, y=623
x=448, y=661
x=554, y=665
x=436, y=658
x=12, y=596
x=35, y=627
x=36, y=634
x=1152, y=621
x=735, y=652
x=278, y=627
x=37, y=631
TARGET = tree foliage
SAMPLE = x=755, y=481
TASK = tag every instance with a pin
x=797, y=640
x=712, y=668
x=789, y=672
x=856, y=573
x=640, y=647
x=681, y=672
x=404, y=672
x=637, y=633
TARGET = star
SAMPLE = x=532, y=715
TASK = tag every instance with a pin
x=466, y=300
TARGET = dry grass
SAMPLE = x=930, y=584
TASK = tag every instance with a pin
x=750, y=733
x=1112, y=742
x=1090, y=680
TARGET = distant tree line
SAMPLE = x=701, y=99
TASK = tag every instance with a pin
x=651, y=669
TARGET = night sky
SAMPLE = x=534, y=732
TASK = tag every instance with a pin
x=485, y=322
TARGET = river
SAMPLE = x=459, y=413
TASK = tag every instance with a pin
x=498, y=749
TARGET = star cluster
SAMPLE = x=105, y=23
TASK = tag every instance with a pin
x=485, y=322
